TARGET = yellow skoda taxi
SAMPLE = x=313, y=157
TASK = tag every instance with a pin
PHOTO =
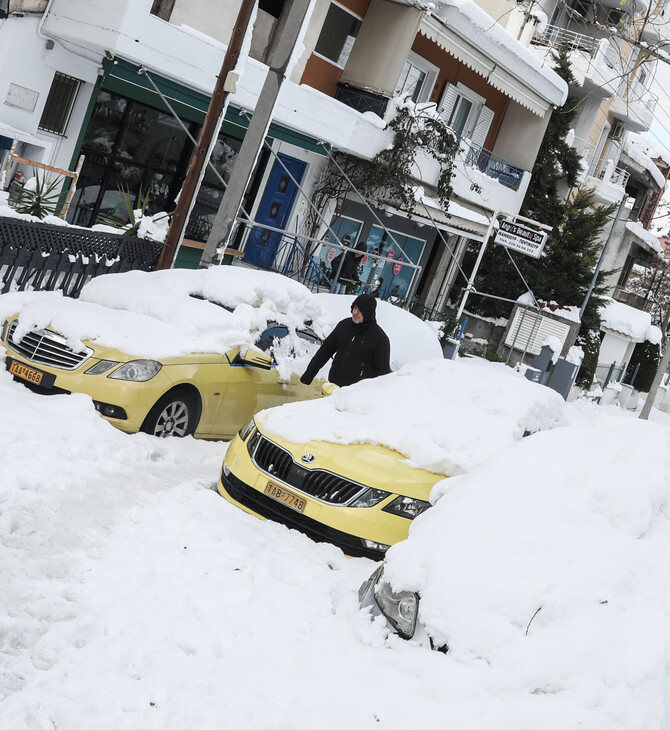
x=360, y=497
x=356, y=468
x=170, y=353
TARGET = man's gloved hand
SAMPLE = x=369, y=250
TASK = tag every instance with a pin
x=305, y=379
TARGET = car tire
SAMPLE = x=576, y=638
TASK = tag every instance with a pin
x=174, y=415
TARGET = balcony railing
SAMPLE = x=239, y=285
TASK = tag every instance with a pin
x=618, y=176
x=492, y=165
x=553, y=36
x=361, y=100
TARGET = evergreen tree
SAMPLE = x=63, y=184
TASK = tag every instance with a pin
x=564, y=271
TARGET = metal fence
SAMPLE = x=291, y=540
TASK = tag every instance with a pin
x=40, y=256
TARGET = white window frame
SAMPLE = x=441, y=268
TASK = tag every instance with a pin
x=431, y=71
x=337, y=64
x=463, y=92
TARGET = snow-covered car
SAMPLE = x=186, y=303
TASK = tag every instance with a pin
x=545, y=573
x=356, y=468
x=173, y=352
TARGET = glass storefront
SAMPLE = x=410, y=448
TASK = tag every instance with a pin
x=395, y=277
x=134, y=152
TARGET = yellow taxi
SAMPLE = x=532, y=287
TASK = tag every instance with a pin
x=131, y=343
x=360, y=497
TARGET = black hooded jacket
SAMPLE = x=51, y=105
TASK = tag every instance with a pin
x=360, y=350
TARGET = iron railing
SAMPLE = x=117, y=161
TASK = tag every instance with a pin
x=361, y=100
x=39, y=256
x=553, y=36
x=493, y=165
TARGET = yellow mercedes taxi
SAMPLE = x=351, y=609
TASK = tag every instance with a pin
x=170, y=353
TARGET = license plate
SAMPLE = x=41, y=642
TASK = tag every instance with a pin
x=285, y=497
x=25, y=373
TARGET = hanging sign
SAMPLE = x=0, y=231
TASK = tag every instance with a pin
x=524, y=239
x=397, y=266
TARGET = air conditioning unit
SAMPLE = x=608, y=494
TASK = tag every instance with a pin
x=616, y=133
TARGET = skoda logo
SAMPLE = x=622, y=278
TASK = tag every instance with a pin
x=307, y=458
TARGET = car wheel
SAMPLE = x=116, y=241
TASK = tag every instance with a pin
x=173, y=415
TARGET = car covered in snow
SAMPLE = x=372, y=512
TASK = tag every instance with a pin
x=356, y=468
x=171, y=353
x=544, y=573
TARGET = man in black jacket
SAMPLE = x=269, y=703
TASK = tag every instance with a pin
x=360, y=346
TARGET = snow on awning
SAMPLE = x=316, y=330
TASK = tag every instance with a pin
x=630, y=322
x=646, y=239
x=460, y=221
x=468, y=33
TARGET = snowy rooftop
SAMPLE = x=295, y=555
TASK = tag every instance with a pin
x=636, y=228
x=493, y=43
x=639, y=150
x=630, y=322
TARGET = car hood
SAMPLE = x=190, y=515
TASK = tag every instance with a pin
x=368, y=464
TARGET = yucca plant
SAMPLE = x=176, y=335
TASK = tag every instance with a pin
x=135, y=211
x=39, y=198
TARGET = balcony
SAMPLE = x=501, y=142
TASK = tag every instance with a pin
x=595, y=62
x=636, y=109
x=361, y=100
x=492, y=165
x=609, y=183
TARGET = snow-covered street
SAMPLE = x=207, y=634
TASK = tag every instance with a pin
x=134, y=597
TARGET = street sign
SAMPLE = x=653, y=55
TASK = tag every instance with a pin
x=526, y=240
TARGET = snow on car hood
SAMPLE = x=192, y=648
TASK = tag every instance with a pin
x=546, y=569
x=160, y=314
x=442, y=415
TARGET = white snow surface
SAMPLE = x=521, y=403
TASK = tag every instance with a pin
x=444, y=416
x=639, y=149
x=647, y=236
x=134, y=597
x=628, y=321
x=545, y=571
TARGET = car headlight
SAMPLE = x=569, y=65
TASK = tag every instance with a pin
x=407, y=507
x=369, y=498
x=138, y=371
x=246, y=430
x=400, y=608
x=102, y=366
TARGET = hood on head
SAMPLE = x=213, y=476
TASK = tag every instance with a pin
x=368, y=306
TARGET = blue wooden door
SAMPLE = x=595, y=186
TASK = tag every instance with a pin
x=274, y=210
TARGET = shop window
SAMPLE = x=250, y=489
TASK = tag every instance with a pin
x=59, y=104
x=417, y=79
x=338, y=34
x=395, y=276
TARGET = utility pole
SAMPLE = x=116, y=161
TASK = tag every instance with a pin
x=256, y=133
x=225, y=85
x=660, y=372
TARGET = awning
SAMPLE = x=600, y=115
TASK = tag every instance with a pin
x=457, y=34
x=459, y=222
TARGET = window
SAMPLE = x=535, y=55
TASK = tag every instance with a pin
x=417, y=79
x=268, y=337
x=465, y=112
x=59, y=104
x=338, y=34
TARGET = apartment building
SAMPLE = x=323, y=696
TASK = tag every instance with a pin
x=127, y=85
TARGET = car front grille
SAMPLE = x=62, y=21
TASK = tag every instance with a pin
x=320, y=484
x=48, y=348
x=269, y=508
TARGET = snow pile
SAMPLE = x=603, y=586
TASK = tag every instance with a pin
x=628, y=321
x=545, y=571
x=639, y=150
x=444, y=416
x=637, y=229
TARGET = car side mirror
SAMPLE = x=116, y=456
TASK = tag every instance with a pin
x=257, y=359
x=329, y=388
